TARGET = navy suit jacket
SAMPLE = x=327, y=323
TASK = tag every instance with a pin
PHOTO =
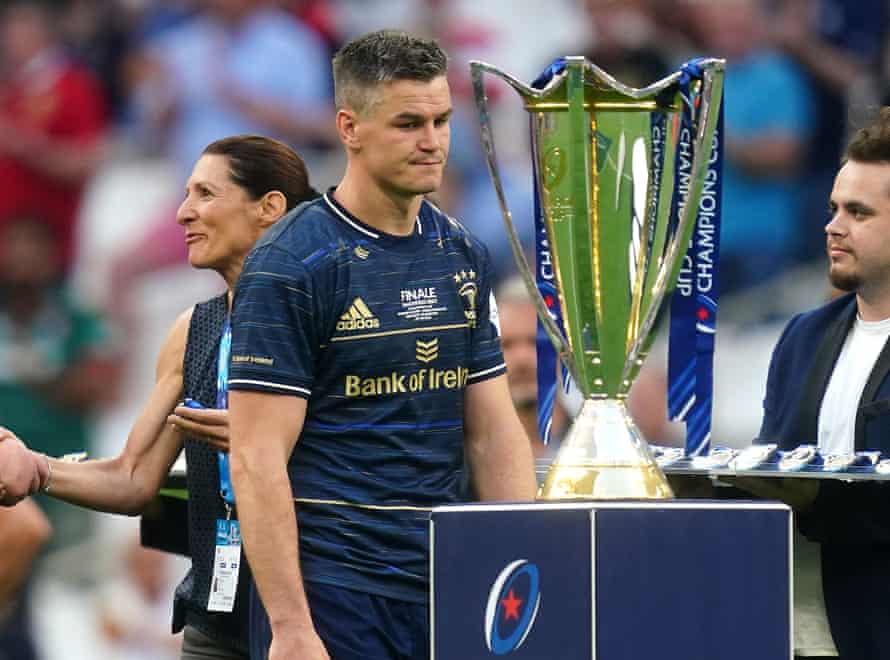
x=850, y=520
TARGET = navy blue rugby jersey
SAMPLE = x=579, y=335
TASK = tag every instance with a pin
x=382, y=335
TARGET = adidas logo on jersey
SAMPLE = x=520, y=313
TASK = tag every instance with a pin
x=358, y=317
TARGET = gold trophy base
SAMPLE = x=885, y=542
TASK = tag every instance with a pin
x=604, y=457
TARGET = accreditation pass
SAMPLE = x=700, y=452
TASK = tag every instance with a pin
x=226, y=565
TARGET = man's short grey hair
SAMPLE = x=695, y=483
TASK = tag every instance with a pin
x=377, y=58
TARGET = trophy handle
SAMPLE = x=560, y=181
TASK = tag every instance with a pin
x=706, y=125
x=477, y=71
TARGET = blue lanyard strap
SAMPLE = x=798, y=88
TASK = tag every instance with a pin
x=222, y=402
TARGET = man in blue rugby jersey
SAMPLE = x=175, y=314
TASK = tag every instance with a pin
x=365, y=365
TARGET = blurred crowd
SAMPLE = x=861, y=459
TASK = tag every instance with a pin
x=106, y=104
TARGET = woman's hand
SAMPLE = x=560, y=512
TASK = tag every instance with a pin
x=209, y=425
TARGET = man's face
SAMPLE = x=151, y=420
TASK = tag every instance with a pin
x=402, y=140
x=732, y=28
x=28, y=255
x=231, y=10
x=23, y=34
x=858, y=235
x=518, y=334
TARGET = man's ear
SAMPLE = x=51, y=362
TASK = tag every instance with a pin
x=347, y=124
x=273, y=205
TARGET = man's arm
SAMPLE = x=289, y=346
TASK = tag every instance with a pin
x=777, y=154
x=264, y=430
x=72, y=162
x=498, y=449
x=74, y=157
x=126, y=483
x=279, y=119
x=792, y=28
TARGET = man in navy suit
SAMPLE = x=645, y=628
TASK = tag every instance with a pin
x=828, y=385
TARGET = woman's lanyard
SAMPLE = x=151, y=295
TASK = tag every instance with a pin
x=222, y=402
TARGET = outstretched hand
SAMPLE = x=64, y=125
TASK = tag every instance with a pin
x=209, y=425
x=22, y=471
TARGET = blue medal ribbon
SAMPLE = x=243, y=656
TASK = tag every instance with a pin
x=546, y=281
x=222, y=402
x=694, y=303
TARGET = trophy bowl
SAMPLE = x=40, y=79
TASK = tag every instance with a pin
x=618, y=174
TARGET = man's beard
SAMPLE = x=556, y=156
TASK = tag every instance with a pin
x=844, y=281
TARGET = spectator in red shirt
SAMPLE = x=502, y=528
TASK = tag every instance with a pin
x=52, y=122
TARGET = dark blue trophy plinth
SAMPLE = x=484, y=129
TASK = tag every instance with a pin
x=679, y=580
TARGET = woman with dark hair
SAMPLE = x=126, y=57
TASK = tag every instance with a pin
x=239, y=187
